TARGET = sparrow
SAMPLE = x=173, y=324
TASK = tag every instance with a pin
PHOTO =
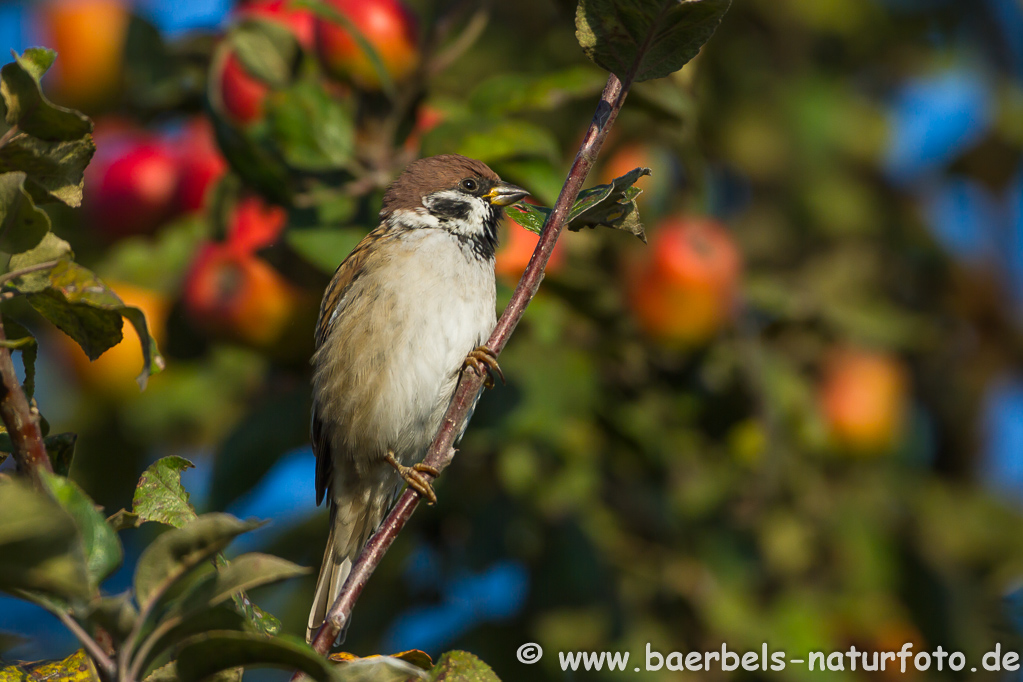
x=407, y=310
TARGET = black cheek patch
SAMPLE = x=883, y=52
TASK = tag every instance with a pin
x=450, y=209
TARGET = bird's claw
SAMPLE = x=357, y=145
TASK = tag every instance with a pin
x=413, y=475
x=484, y=362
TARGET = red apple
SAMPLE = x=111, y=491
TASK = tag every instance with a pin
x=255, y=224
x=89, y=36
x=685, y=289
x=864, y=398
x=131, y=182
x=242, y=95
x=298, y=21
x=236, y=295
x=388, y=25
x=200, y=162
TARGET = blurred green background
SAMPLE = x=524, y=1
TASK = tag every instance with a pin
x=795, y=417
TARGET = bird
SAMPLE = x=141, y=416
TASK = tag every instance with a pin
x=406, y=312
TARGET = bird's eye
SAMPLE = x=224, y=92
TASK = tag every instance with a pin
x=469, y=185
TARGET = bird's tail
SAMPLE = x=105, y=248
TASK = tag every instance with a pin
x=352, y=520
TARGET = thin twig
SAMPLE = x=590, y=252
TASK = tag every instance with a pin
x=21, y=421
x=107, y=669
x=441, y=451
x=9, y=135
x=28, y=269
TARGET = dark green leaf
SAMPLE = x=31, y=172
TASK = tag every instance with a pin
x=529, y=216
x=116, y=614
x=175, y=553
x=28, y=109
x=165, y=673
x=313, y=130
x=103, y=551
x=160, y=496
x=267, y=50
x=259, y=620
x=208, y=654
x=51, y=248
x=461, y=666
x=324, y=247
x=491, y=141
x=22, y=225
x=61, y=449
x=124, y=519
x=243, y=573
x=642, y=39
x=255, y=161
x=216, y=619
x=514, y=92
x=40, y=547
x=55, y=169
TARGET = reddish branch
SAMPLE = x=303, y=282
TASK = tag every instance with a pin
x=442, y=452
x=21, y=420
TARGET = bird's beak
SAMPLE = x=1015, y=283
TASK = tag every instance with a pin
x=505, y=194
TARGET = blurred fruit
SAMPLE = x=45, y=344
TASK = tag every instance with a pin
x=685, y=289
x=657, y=187
x=236, y=295
x=389, y=27
x=516, y=249
x=114, y=372
x=255, y=224
x=89, y=36
x=131, y=184
x=299, y=21
x=241, y=94
x=864, y=396
x=200, y=165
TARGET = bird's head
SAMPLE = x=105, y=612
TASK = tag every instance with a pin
x=454, y=193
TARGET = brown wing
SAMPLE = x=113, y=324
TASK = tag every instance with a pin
x=347, y=273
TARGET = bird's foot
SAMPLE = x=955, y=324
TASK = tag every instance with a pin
x=484, y=362
x=413, y=475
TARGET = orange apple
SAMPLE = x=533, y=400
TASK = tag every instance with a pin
x=113, y=373
x=517, y=248
x=299, y=21
x=684, y=290
x=657, y=187
x=864, y=397
x=88, y=36
x=389, y=26
x=200, y=165
x=242, y=95
x=235, y=295
x=255, y=224
x=131, y=183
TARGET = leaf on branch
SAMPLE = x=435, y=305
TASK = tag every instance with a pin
x=175, y=553
x=50, y=248
x=211, y=653
x=160, y=496
x=116, y=614
x=55, y=169
x=461, y=665
x=40, y=547
x=267, y=50
x=216, y=619
x=103, y=553
x=22, y=224
x=77, y=667
x=123, y=519
x=243, y=573
x=314, y=131
x=61, y=449
x=637, y=40
x=29, y=109
x=83, y=307
x=612, y=205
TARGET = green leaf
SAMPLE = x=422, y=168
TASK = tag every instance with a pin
x=40, y=546
x=267, y=50
x=116, y=614
x=211, y=653
x=243, y=573
x=55, y=169
x=28, y=109
x=51, y=248
x=22, y=225
x=81, y=305
x=123, y=519
x=313, y=130
x=103, y=553
x=216, y=619
x=61, y=449
x=463, y=667
x=491, y=141
x=511, y=93
x=165, y=673
x=324, y=247
x=642, y=39
x=175, y=553
x=160, y=496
